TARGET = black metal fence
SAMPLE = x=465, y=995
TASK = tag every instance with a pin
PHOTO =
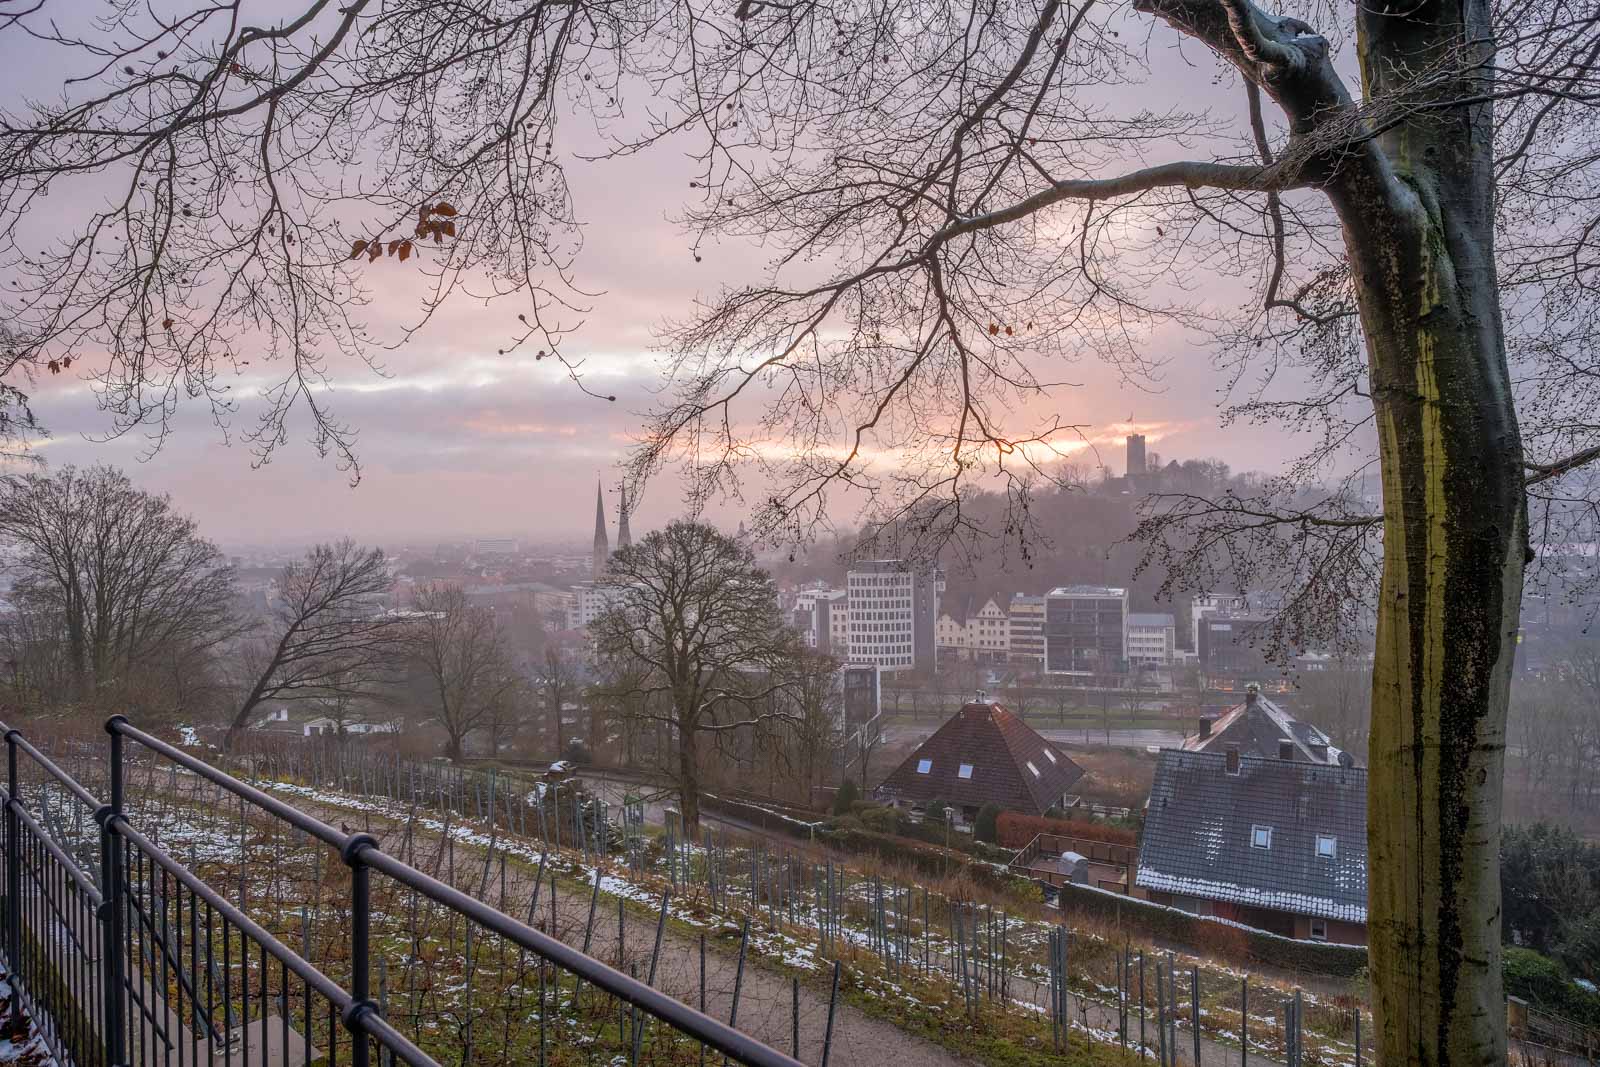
x=122, y=954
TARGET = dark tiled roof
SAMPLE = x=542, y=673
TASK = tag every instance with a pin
x=1198, y=832
x=1256, y=730
x=1000, y=747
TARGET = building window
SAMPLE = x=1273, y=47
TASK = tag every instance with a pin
x=1327, y=846
x=965, y=771
x=1319, y=929
x=1032, y=768
x=1260, y=837
x=924, y=766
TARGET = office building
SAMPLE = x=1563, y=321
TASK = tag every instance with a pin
x=1150, y=640
x=1027, y=630
x=1085, y=627
x=893, y=607
x=1210, y=604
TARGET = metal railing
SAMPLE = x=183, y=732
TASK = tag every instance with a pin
x=121, y=954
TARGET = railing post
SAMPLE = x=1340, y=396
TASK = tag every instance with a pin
x=13, y=862
x=361, y=1002
x=112, y=969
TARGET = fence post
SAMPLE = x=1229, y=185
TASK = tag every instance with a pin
x=111, y=903
x=13, y=868
x=361, y=1002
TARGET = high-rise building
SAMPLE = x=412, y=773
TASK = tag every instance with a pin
x=1211, y=604
x=892, y=608
x=602, y=545
x=1136, y=459
x=1085, y=630
x=1027, y=629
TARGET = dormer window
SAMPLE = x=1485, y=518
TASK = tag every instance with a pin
x=1260, y=837
x=924, y=766
x=1327, y=846
x=964, y=771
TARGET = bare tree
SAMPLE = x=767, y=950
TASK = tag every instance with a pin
x=113, y=577
x=471, y=679
x=690, y=607
x=958, y=202
x=816, y=698
x=328, y=636
x=558, y=682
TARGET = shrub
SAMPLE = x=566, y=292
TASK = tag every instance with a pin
x=934, y=814
x=1544, y=983
x=880, y=820
x=846, y=797
x=984, y=829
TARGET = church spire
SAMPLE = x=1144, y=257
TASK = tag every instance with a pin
x=624, y=538
x=602, y=548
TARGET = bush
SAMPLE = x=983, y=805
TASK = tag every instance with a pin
x=984, y=829
x=846, y=797
x=935, y=813
x=880, y=820
x=1545, y=984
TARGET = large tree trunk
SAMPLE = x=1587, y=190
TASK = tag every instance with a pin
x=1455, y=543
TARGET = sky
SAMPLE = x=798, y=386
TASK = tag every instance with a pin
x=457, y=441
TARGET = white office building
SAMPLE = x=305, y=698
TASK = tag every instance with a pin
x=1150, y=641
x=892, y=612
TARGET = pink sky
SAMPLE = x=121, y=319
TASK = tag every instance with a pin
x=458, y=441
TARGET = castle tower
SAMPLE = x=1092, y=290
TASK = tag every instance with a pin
x=624, y=538
x=602, y=548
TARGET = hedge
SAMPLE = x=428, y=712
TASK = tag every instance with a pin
x=1017, y=830
x=1163, y=923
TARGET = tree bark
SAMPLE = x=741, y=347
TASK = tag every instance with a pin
x=1455, y=544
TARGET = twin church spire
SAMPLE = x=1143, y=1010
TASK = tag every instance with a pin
x=602, y=544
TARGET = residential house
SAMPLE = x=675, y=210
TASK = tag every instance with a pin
x=1260, y=727
x=983, y=755
x=1280, y=845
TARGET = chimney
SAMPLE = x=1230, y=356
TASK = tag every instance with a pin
x=1286, y=749
x=1233, y=759
x=1205, y=728
x=1252, y=693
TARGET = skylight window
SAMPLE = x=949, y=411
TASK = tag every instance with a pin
x=924, y=766
x=1032, y=768
x=1260, y=837
x=1327, y=846
x=964, y=771
x=1051, y=756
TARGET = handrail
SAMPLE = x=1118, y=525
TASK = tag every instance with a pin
x=74, y=870
x=71, y=784
x=291, y=815
x=360, y=851
x=718, y=1035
